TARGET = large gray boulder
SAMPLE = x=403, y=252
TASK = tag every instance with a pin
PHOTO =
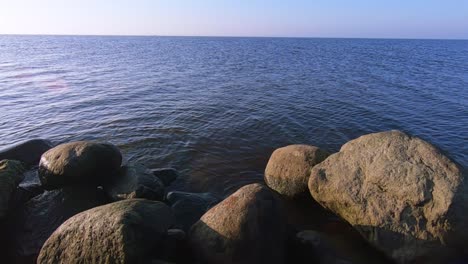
x=128, y=231
x=400, y=192
x=247, y=227
x=288, y=169
x=28, y=152
x=135, y=181
x=11, y=174
x=30, y=225
x=78, y=163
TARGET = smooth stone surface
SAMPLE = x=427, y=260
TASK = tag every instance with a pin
x=11, y=174
x=135, y=181
x=189, y=207
x=128, y=231
x=166, y=175
x=31, y=225
x=247, y=227
x=288, y=169
x=28, y=152
x=78, y=163
x=400, y=192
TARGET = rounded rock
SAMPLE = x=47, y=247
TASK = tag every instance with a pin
x=128, y=231
x=288, y=169
x=29, y=152
x=247, y=227
x=78, y=163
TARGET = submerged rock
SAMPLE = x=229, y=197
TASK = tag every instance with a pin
x=129, y=231
x=135, y=181
x=78, y=163
x=312, y=246
x=11, y=174
x=399, y=192
x=166, y=175
x=189, y=207
x=28, y=152
x=31, y=225
x=247, y=227
x=24, y=193
x=288, y=169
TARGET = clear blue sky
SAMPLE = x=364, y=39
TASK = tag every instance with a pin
x=291, y=18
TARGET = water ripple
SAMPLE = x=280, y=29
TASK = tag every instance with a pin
x=215, y=108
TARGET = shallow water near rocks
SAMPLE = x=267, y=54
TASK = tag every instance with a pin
x=215, y=108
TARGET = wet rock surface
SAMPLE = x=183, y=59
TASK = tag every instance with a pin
x=189, y=207
x=135, y=181
x=11, y=174
x=28, y=152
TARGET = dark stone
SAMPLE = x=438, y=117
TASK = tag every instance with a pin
x=24, y=193
x=28, y=152
x=30, y=225
x=135, y=181
x=175, y=248
x=189, y=207
x=11, y=174
x=313, y=247
x=166, y=175
x=79, y=163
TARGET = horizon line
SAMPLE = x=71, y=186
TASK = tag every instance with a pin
x=223, y=36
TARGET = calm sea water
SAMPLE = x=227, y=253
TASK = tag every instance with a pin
x=215, y=108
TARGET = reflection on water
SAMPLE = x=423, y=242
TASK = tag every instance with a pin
x=215, y=108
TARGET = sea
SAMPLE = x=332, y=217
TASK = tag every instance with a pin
x=215, y=108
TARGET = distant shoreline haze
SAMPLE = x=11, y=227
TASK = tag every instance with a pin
x=200, y=36
x=397, y=19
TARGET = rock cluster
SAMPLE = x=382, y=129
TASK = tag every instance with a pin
x=383, y=198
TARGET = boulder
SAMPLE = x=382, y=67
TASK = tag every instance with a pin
x=166, y=175
x=78, y=163
x=28, y=152
x=400, y=192
x=288, y=169
x=11, y=174
x=189, y=207
x=247, y=227
x=135, y=181
x=30, y=225
x=128, y=231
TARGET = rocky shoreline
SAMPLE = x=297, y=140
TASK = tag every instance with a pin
x=383, y=198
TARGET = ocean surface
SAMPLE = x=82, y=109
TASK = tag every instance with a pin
x=216, y=108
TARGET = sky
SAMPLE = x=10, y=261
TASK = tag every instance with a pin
x=438, y=19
